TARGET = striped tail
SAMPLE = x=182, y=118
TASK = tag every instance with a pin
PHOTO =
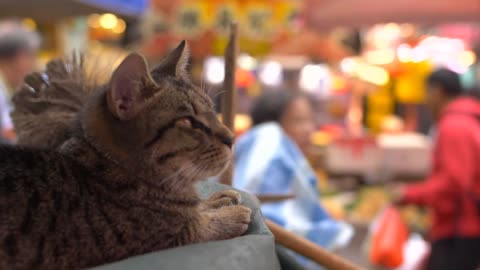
x=46, y=106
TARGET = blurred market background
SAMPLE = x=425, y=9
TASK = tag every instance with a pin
x=364, y=62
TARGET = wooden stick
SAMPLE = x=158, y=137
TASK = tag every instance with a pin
x=309, y=249
x=268, y=198
x=228, y=97
x=282, y=236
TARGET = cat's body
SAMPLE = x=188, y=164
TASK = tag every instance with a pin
x=123, y=182
x=66, y=217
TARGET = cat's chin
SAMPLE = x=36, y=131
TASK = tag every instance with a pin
x=211, y=173
x=224, y=167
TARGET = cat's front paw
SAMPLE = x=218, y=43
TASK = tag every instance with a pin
x=222, y=198
x=230, y=221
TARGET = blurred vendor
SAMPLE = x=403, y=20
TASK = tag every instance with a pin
x=269, y=160
x=18, y=48
x=452, y=190
x=292, y=110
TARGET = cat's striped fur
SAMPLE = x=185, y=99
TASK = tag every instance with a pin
x=122, y=183
x=47, y=104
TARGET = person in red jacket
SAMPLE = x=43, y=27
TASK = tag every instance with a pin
x=452, y=190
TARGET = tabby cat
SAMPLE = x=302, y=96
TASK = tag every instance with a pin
x=123, y=182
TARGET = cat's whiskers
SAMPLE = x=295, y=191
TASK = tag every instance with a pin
x=228, y=163
x=219, y=93
x=208, y=90
x=188, y=173
x=167, y=181
x=202, y=83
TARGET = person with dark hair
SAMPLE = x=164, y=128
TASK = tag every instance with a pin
x=452, y=190
x=292, y=110
x=444, y=86
x=270, y=160
x=18, y=48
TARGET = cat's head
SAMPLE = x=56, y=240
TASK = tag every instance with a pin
x=157, y=122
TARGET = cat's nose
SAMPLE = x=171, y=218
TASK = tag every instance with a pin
x=224, y=134
x=226, y=137
x=228, y=141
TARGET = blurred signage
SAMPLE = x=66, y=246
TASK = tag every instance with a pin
x=259, y=21
x=189, y=23
x=225, y=15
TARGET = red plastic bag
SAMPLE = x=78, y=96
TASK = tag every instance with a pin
x=389, y=235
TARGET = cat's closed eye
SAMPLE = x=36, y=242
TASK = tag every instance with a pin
x=190, y=122
x=201, y=126
x=185, y=122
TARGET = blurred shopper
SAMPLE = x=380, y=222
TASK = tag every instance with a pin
x=452, y=190
x=269, y=160
x=18, y=48
x=292, y=110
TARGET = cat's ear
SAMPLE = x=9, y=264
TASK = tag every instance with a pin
x=175, y=64
x=130, y=86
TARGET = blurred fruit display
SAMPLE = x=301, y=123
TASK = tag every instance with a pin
x=371, y=200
